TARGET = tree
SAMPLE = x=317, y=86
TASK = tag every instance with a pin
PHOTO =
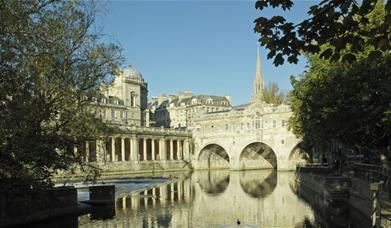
x=50, y=60
x=349, y=105
x=272, y=94
x=340, y=24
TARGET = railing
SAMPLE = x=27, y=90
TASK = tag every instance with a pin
x=372, y=173
x=375, y=173
x=155, y=130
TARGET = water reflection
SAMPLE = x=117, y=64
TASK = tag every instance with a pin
x=212, y=199
x=258, y=185
x=213, y=182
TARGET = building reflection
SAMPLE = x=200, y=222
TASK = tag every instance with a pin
x=258, y=185
x=210, y=199
x=214, y=182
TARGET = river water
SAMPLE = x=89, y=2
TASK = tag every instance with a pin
x=212, y=199
x=262, y=198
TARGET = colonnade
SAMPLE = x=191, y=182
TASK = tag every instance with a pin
x=160, y=195
x=137, y=148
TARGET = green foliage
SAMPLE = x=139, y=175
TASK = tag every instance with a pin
x=50, y=59
x=272, y=94
x=336, y=23
x=347, y=103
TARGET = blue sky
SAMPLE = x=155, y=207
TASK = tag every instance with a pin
x=207, y=47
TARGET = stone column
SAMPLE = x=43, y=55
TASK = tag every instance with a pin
x=124, y=203
x=172, y=193
x=171, y=149
x=130, y=149
x=186, y=152
x=180, y=190
x=135, y=201
x=112, y=149
x=162, y=149
x=153, y=149
x=87, y=151
x=154, y=197
x=145, y=199
x=135, y=149
x=122, y=149
x=145, y=149
x=163, y=194
x=186, y=190
x=178, y=150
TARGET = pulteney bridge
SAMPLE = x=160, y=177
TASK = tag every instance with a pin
x=253, y=137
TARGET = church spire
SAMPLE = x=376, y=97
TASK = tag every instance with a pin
x=258, y=82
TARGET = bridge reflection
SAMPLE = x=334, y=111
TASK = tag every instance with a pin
x=258, y=185
x=259, y=198
x=214, y=182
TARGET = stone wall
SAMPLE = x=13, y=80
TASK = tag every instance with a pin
x=37, y=205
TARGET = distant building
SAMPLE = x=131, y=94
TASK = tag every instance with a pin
x=124, y=101
x=179, y=110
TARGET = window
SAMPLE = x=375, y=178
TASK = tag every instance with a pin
x=274, y=123
x=282, y=141
x=241, y=126
x=194, y=101
x=122, y=114
x=113, y=113
x=283, y=123
x=103, y=100
x=226, y=127
x=248, y=125
x=257, y=124
x=133, y=99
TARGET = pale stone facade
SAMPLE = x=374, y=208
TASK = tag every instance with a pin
x=209, y=133
x=250, y=136
x=124, y=101
x=179, y=110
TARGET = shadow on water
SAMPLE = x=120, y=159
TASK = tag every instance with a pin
x=258, y=185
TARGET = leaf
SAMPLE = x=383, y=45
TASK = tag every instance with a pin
x=278, y=60
x=293, y=59
x=260, y=5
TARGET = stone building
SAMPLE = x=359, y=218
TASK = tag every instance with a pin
x=249, y=136
x=179, y=110
x=124, y=101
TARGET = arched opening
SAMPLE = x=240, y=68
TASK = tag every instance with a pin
x=300, y=154
x=213, y=156
x=258, y=184
x=214, y=182
x=258, y=156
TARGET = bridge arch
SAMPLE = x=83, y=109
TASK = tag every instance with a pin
x=257, y=155
x=300, y=154
x=213, y=156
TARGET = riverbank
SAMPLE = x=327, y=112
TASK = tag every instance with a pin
x=336, y=195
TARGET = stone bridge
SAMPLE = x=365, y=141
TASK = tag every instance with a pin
x=221, y=143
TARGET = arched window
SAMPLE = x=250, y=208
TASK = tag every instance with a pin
x=194, y=101
x=133, y=99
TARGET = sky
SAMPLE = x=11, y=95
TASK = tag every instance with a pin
x=206, y=47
